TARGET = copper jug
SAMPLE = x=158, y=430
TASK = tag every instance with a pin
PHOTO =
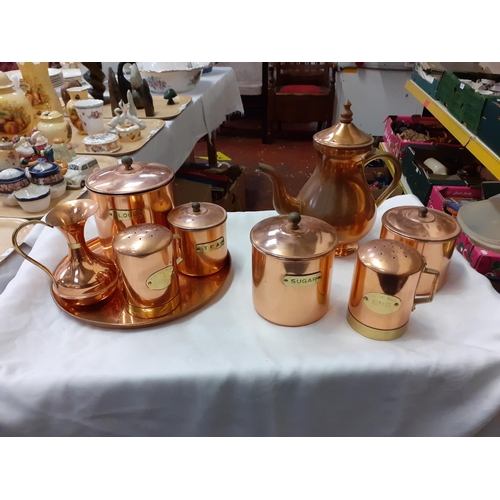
x=83, y=278
x=337, y=191
x=383, y=288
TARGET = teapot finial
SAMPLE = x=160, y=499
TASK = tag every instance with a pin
x=346, y=116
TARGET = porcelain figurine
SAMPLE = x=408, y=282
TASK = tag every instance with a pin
x=123, y=116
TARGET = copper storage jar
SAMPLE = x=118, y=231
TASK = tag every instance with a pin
x=431, y=232
x=200, y=237
x=130, y=194
x=292, y=258
x=145, y=256
x=383, y=288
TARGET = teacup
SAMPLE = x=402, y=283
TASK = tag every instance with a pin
x=33, y=198
x=90, y=112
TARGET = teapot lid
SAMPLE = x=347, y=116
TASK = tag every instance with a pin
x=391, y=257
x=421, y=223
x=129, y=178
x=294, y=236
x=196, y=216
x=344, y=134
x=50, y=115
x=11, y=175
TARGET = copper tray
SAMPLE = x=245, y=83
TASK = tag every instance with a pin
x=195, y=293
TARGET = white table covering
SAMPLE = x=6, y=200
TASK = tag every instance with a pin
x=215, y=96
x=226, y=371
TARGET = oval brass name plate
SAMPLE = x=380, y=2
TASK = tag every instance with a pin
x=305, y=280
x=160, y=279
x=381, y=303
x=209, y=247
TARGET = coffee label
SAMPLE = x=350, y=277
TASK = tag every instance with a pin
x=125, y=214
x=160, y=279
x=304, y=280
x=381, y=303
x=210, y=246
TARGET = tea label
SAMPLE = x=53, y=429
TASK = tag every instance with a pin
x=211, y=246
x=304, y=280
x=125, y=214
x=381, y=303
x=160, y=279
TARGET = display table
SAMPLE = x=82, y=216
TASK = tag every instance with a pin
x=215, y=97
x=225, y=371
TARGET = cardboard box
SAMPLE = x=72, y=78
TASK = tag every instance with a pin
x=232, y=199
x=397, y=145
x=437, y=198
x=419, y=181
x=483, y=261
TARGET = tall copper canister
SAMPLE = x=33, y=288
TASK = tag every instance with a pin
x=145, y=256
x=128, y=194
x=431, y=232
x=292, y=258
x=200, y=237
x=383, y=288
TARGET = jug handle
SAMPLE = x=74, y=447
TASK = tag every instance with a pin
x=396, y=173
x=26, y=256
x=428, y=298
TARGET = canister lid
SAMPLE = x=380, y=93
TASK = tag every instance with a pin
x=196, y=216
x=142, y=240
x=294, y=236
x=129, y=178
x=421, y=223
x=50, y=115
x=344, y=134
x=390, y=257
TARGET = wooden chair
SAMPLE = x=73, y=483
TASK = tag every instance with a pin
x=300, y=93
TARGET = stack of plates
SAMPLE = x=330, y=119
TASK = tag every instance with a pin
x=56, y=77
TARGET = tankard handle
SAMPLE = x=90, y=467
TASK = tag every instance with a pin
x=394, y=166
x=26, y=256
x=428, y=298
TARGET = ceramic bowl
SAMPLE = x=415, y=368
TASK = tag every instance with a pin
x=33, y=198
x=480, y=221
x=11, y=180
x=101, y=143
x=180, y=76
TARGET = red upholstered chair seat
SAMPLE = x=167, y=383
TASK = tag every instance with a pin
x=301, y=89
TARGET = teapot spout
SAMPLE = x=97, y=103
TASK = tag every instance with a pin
x=282, y=201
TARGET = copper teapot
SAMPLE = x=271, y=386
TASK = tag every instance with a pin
x=337, y=191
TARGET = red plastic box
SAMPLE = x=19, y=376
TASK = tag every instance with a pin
x=439, y=193
x=483, y=261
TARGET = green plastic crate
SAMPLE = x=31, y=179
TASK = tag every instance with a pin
x=461, y=100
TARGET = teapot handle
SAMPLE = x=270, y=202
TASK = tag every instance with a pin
x=26, y=256
x=390, y=160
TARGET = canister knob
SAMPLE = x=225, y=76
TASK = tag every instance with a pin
x=127, y=162
x=294, y=218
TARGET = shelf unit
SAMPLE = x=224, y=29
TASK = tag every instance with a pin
x=470, y=141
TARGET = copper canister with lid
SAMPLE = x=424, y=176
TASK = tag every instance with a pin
x=128, y=194
x=383, y=288
x=292, y=258
x=145, y=256
x=431, y=232
x=200, y=237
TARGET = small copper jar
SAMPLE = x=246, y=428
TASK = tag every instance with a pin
x=145, y=256
x=200, y=237
x=383, y=288
x=129, y=194
x=431, y=232
x=292, y=258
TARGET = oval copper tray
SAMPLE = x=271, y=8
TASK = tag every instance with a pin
x=195, y=293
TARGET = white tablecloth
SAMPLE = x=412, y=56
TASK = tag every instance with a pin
x=226, y=371
x=215, y=96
